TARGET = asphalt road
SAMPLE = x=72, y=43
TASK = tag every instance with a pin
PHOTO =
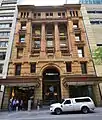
x=45, y=115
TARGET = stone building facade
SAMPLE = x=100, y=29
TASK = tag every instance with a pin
x=50, y=57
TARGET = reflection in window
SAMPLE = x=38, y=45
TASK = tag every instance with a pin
x=1, y=68
x=83, y=68
x=3, y=43
x=18, y=69
x=4, y=34
x=19, y=52
x=22, y=38
x=33, y=67
x=37, y=43
x=2, y=55
x=68, y=66
x=49, y=42
x=80, y=52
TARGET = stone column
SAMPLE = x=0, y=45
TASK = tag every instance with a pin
x=28, y=39
x=57, y=41
x=97, y=96
x=73, y=48
x=68, y=38
x=43, y=42
x=64, y=90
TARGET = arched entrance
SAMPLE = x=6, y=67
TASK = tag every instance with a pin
x=51, y=86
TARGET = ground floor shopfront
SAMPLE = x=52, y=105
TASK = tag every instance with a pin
x=48, y=91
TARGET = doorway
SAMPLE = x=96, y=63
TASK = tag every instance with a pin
x=24, y=94
x=51, y=86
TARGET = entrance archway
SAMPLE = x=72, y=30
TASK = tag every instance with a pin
x=51, y=86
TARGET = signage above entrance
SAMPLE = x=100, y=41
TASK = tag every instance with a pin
x=51, y=73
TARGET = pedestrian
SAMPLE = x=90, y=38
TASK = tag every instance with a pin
x=38, y=104
x=17, y=105
x=10, y=107
x=21, y=104
x=14, y=104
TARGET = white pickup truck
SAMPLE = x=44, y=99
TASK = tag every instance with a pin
x=84, y=104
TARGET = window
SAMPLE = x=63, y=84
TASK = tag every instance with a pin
x=75, y=24
x=3, y=43
x=76, y=13
x=37, y=31
x=63, y=42
x=83, y=68
x=18, y=69
x=50, y=30
x=33, y=68
x=49, y=42
x=22, y=38
x=19, y=52
x=99, y=44
x=67, y=102
x=95, y=22
x=4, y=34
x=7, y=11
x=37, y=15
x=10, y=4
x=37, y=43
x=23, y=26
x=80, y=52
x=1, y=68
x=6, y=17
x=49, y=14
x=90, y=11
x=61, y=14
x=77, y=37
x=62, y=30
x=2, y=55
x=68, y=66
x=83, y=100
x=5, y=25
x=27, y=14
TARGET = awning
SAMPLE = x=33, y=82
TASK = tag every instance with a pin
x=20, y=81
x=80, y=83
x=22, y=84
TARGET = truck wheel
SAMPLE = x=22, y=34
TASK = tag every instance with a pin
x=58, y=111
x=85, y=110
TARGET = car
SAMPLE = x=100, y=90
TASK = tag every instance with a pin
x=83, y=104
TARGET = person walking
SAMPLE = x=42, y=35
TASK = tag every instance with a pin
x=14, y=104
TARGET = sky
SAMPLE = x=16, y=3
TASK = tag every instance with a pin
x=47, y=2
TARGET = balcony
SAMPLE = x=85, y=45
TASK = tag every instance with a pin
x=35, y=52
x=76, y=29
x=50, y=49
x=22, y=30
x=80, y=43
x=20, y=44
x=36, y=35
x=64, y=50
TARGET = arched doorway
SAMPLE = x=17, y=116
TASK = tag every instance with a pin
x=51, y=86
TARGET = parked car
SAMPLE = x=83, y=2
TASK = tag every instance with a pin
x=84, y=104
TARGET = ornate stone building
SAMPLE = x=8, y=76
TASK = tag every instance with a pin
x=50, y=57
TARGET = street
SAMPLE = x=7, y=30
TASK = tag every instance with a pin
x=45, y=115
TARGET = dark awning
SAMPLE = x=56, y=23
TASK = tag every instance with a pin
x=20, y=81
